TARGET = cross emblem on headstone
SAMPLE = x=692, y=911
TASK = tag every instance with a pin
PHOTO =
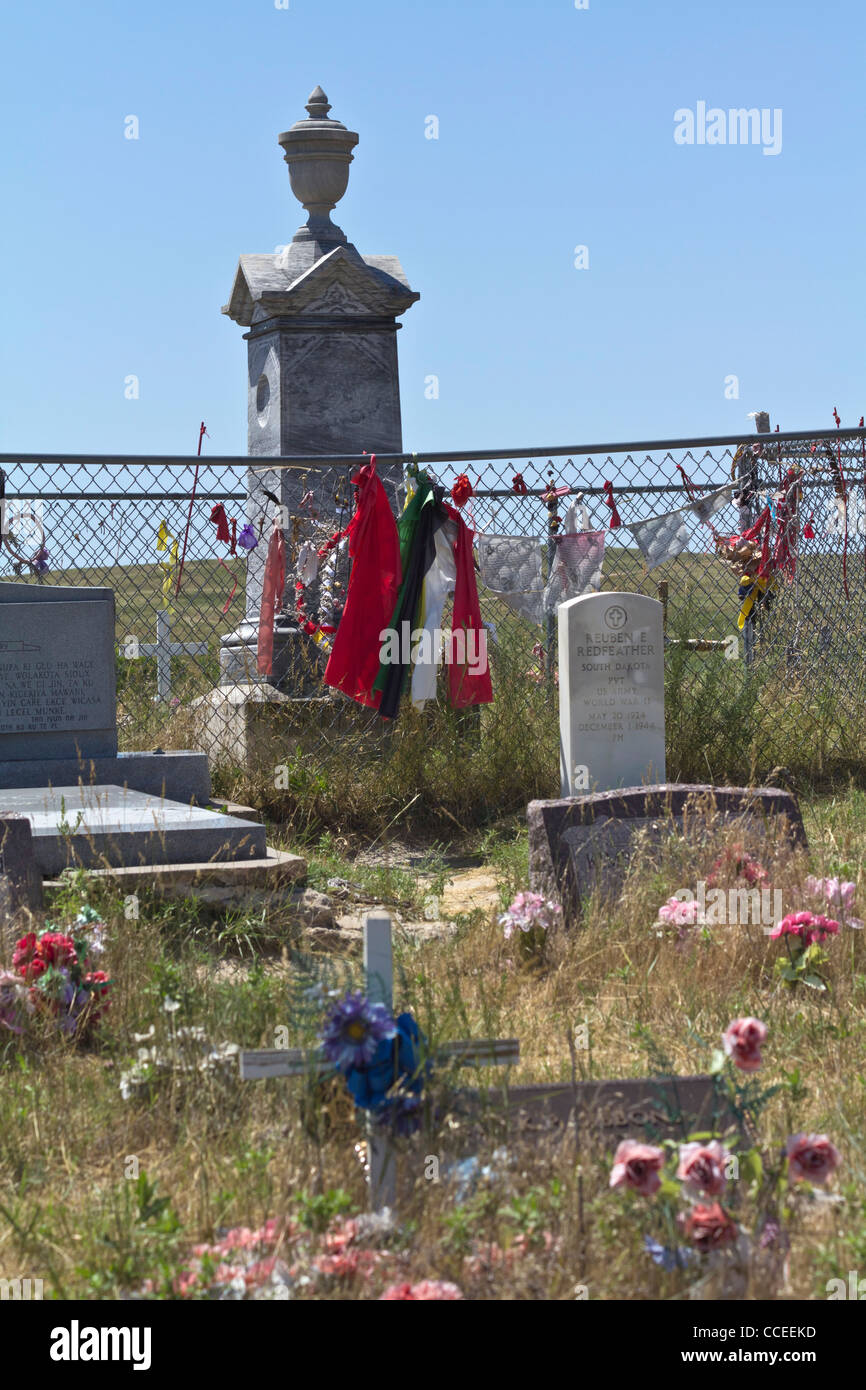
x=379, y=977
x=164, y=649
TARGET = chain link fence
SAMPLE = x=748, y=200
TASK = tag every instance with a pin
x=788, y=689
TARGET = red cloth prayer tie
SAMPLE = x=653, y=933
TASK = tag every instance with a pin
x=228, y=603
x=610, y=501
x=272, y=593
x=218, y=515
x=808, y=529
x=462, y=490
x=518, y=485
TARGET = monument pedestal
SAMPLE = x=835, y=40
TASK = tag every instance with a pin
x=256, y=726
x=298, y=662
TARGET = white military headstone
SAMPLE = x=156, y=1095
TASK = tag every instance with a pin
x=611, y=692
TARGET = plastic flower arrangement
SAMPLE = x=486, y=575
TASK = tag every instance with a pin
x=380, y=1058
x=58, y=972
x=736, y=863
x=528, y=919
x=678, y=916
x=835, y=893
x=803, y=934
x=681, y=1186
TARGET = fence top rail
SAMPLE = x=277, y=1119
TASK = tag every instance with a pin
x=259, y=463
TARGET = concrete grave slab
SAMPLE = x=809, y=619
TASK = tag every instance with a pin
x=99, y=826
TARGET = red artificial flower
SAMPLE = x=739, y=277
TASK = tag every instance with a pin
x=709, y=1227
x=25, y=949
x=57, y=949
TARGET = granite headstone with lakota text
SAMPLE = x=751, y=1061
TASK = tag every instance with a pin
x=611, y=692
x=57, y=673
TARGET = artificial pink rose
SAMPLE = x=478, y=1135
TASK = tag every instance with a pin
x=808, y=926
x=811, y=1158
x=428, y=1290
x=702, y=1167
x=637, y=1166
x=835, y=891
x=742, y=1041
x=709, y=1227
x=679, y=913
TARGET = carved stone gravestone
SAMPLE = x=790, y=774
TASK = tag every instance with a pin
x=611, y=692
x=20, y=879
x=581, y=843
x=601, y=1113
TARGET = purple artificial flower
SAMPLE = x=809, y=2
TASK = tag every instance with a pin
x=73, y=1002
x=40, y=561
x=15, y=1002
x=247, y=537
x=353, y=1030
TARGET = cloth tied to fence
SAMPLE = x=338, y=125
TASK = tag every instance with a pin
x=511, y=570
x=662, y=538
x=576, y=569
x=272, y=595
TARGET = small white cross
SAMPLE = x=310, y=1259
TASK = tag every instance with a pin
x=164, y=649
x=379, y=977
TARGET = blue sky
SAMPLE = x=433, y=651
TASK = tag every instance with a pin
x=556, y=129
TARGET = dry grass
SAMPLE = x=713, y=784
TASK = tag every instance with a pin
x=211, y=1152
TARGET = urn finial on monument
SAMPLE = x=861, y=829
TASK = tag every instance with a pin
x=318, y=152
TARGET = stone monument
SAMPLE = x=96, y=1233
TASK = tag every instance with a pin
x=322, y=375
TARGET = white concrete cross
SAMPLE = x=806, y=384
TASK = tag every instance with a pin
x=379, y=977
x=164, y=649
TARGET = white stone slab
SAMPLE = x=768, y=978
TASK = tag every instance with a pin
x=113, y=826
x=611, y=692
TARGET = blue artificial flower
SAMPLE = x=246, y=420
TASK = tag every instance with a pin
x=668, y=1257
x=355, y=1031
x=397, y=1060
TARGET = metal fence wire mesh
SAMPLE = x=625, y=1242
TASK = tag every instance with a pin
x=787, y=688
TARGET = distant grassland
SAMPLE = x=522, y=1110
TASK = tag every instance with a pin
x=197, y=614
x=800, y=707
